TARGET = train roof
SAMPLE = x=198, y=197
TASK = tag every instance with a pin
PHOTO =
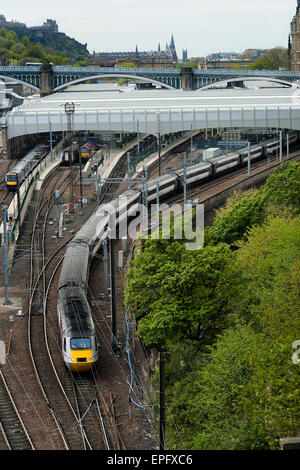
x=223, y=158
x=194, y=167
x=75, y=265
x=38, y=150
x=76, y=315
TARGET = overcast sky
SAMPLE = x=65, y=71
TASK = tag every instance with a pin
x=201, y=26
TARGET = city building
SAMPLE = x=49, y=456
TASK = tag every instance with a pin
x=294, y=42
x=156, y=58
x=184, y=55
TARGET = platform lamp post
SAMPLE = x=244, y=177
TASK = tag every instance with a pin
x=51, y=142
x=69, y=110
x=159, y=144
x=5, y=269
x=113, y=290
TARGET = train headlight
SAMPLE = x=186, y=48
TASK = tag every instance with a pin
x=90, y=359
x=72, y=359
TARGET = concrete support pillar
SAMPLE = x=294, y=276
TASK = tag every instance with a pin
x=187, y=79
x=46, y=78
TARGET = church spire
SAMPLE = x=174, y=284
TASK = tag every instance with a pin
x=172, y=44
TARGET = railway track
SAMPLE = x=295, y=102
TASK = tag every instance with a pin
x=12, y=427
x=72, y=427
x=91, y=423
x=77, y=419
x=39, y=351
x=5, y=195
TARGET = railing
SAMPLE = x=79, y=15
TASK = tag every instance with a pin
x=148, y=71
x=271, y=73
x=19, y=69
x=95, y=70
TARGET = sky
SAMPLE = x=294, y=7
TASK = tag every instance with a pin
x=200, y=26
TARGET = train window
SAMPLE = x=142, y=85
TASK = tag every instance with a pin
x=81, y=343
x=65, y=345
x=11, y=177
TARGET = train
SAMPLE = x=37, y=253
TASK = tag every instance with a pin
x=86, y=151
x=77, y=331
x=68, y=152
x=17, y=175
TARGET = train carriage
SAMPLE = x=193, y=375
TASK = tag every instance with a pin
x=168, y=184
x=195, y=174
x=17, y=175
x=70, y=154
x=256, y=153
x=225, y=163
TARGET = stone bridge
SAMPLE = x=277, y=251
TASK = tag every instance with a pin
x=46, y=79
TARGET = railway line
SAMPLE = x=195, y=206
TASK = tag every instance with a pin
x=74, y=416
x=91, y=420
x=68, y=410
x=5, y=195
x=196, y=191
x=12, y=428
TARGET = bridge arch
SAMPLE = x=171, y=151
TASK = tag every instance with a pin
x=20, y=81
x=113, y=75
x=252, y=78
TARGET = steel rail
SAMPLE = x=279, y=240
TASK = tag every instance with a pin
x=23, y=428
x=33, y=288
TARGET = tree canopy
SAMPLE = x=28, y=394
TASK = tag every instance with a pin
x=228, y=316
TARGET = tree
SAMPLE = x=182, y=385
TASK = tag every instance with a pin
x=34, y=50
x=272, y=59
x=242, y=211
x=206, y=406
x=17, y=49
x=274, y=390
x=179, y=295
x=269, y=249
x=283, y=186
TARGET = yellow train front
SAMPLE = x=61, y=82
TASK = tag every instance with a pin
x=77, y=331
x=80, y=353
x=11, y=180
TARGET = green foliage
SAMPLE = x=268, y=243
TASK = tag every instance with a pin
x=212, y=413
x=272, y=59
x=127, y=65
x=246, y=209
x=178, y=294
x=242, y=211
x=274, y=391
x=54, y=47
x=283, y=186
x=228, y=318
x=270, y=249
x=26, y=41
x=34, y=50
x=246, y=394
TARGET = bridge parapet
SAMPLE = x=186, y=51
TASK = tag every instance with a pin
x=185, y=78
